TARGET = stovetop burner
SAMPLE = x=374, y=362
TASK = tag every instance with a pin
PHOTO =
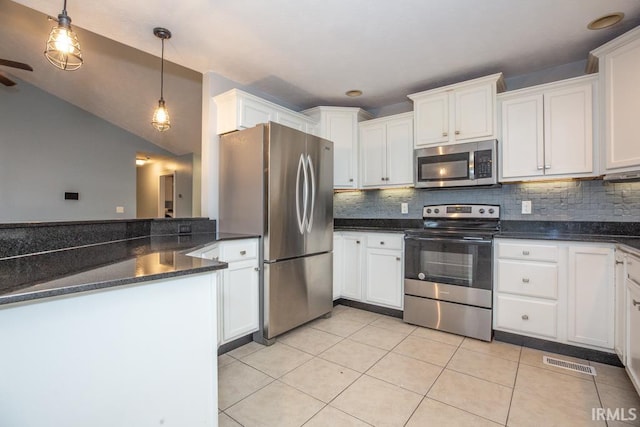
x=454, y=220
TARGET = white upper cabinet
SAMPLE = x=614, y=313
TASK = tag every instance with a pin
x=340, y=125
x=619, y=70
x=547, y=131
x=462, y=112
x=386, y=151
x=238, y=110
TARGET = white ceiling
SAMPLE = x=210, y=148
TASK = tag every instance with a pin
x=309, y=52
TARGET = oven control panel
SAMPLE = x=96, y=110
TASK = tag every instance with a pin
x=461, y=211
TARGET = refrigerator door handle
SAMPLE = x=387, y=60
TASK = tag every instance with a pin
x=312, y=176
x=301, y=166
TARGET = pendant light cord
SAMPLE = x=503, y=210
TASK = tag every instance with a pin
x=64, y=8
x=161, y=72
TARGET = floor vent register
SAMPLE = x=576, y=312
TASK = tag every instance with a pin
x=571, y=366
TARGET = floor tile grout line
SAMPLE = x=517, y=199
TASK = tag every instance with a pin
x=513, y=390
x=480, y=378
x=239, y=423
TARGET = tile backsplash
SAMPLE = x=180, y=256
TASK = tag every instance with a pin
x=551, y=201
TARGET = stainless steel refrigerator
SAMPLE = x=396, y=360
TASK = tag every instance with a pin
x=277, y=182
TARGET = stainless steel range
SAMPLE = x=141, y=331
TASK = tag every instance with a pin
x=449, y=269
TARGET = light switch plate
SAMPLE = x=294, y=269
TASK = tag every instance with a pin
x=526, y=207
x=404, y=208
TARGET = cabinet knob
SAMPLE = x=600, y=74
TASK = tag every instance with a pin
x=457, y=132
x=445, y=133
x=525, y=252
x=397, y=258
x=525, y=280
x=525, y=317
x=243, y=252
x=358, y=242
x=382, y=243
x=256, y=268
x=350, y=179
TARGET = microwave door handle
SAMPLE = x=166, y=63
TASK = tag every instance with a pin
x=298, y=216
x=472, y=164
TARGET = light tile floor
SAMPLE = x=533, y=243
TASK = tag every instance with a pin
x=359, y=368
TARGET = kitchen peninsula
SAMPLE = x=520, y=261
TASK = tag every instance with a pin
x=118, y=332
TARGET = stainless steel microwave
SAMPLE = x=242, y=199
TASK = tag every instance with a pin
x=458, y=165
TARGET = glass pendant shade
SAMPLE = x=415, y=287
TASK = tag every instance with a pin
x=63, y=49
x=161, y=117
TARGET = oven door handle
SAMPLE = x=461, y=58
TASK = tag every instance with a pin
x=477, y=240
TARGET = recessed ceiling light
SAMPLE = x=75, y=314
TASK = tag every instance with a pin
x=606, y=21
x=353, y=92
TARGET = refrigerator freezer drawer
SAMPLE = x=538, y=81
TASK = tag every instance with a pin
x=296, y=291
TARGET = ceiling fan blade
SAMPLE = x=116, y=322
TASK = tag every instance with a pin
x=15, y=64
x=6, y=81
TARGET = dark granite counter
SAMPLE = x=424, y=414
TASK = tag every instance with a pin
x=623, y=233
x=103, y=265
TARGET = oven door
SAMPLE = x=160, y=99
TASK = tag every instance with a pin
x=456, y=269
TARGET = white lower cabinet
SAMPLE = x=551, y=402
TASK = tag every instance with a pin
x=238, y=287
x=555, y=290
x=619, y=342
x=590, y=295
x=338, y=264
x=372, y=268
x=633, y=331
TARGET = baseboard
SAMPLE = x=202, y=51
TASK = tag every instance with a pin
x=232, y=345
x=369, y=307
x=559, y=348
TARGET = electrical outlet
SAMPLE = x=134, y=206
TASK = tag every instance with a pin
x=526, y=207
x=119, y=209
x=404, y=208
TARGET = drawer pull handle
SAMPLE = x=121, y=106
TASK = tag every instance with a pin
x=256, y=268
x=619, y=262
x=525, y=317
x=635, y=303
x=457, y=132
x=525, y=252
x=445, y=134
x=243, y=252
x=525, y=280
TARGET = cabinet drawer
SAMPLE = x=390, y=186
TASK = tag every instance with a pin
x=385, y=241
x=528, y=251
x=529, y=316
x=533, y=279
x=633, y=268
x=240, y=250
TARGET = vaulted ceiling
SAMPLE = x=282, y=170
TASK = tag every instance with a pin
x=305, y=52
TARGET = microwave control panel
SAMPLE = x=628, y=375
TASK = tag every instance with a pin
x=483, y=164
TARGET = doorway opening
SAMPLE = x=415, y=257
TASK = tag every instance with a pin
x=167, y=194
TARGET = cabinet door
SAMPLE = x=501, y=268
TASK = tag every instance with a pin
x=622, y=103
x=474, y=114
x=522, y=137
x=384, y=277
x=341, y=129
x=352, y=279
x=590, y=297
x=620, y=307
x=568, y=130
x=432, y=119
x=253, y=112
x=338, y=265
x=291, y=121
x=373, y=147
x=239, y=300
x=400, y=151
x=633, y=332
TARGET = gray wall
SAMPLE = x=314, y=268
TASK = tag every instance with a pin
x=48, y=146
x=551, y=201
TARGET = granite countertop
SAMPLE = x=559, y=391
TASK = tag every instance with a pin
x=622, y=233
x=104, y=265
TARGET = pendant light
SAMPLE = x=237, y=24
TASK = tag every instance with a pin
x=63, y=48
x=161, y=115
